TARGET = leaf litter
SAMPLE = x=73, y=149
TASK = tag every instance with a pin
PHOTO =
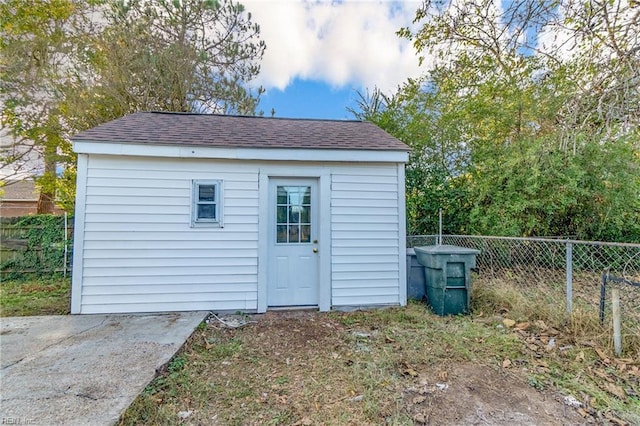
x=306, y=368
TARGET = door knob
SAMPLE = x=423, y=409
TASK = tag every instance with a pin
x=315, y=249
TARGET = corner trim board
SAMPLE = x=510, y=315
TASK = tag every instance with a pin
x=78, y=234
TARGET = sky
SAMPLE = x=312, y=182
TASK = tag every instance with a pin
x=321, y=53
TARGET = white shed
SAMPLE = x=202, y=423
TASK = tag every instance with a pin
x=178, y=212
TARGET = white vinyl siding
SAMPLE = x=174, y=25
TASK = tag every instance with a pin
x=140, y=253
x=365, y=228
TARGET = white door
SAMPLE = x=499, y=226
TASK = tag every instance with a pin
x=293, y=243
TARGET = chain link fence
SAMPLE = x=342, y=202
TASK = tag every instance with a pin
x=578, y=266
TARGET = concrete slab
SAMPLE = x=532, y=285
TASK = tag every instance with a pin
x=83, y=369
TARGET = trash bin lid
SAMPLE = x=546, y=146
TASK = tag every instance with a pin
x=446, y=249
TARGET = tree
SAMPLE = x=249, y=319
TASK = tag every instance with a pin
x=437, y=159
x=41, y=42
x=513, y=136
x=65, y=71
x=187, y=56
x=587, y=51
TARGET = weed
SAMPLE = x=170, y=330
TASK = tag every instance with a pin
x=177, y=364
x=282, y=380
x=156, y=385
x=225, y=350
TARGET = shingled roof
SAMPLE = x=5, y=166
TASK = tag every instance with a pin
x=228, y=131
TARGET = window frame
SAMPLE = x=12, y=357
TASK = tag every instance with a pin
x=195, y=202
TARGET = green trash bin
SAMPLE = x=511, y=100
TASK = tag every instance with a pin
x=447, y=272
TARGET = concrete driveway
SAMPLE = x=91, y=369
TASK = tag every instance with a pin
x=83, y=369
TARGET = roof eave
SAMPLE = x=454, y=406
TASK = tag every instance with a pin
x=240, y=153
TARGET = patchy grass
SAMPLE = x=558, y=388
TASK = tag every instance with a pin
x=389, y=366
x=385, y=365
x=317, y=368
x=41, y=296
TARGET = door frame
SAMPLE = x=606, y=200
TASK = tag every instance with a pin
x=323, y=177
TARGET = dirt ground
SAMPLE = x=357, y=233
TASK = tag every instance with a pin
x=457, y=394
x=476, y=395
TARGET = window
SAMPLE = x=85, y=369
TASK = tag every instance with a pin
x=206, y=205
x=293, y=214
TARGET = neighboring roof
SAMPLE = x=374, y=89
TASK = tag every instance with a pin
x=229, y=131
x=19, y=190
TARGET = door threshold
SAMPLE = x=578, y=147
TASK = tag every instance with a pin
x=293, y=308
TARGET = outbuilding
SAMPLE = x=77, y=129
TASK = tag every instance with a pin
x=178, y=212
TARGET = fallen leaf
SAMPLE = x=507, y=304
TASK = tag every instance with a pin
x=603, y=356
x=508, y=322
x=282, y=399
x=506, y=363
x=410, y=372
x=614, y=419
x=540, y=324
x=522, y=325
x=419, y=418
x=419, y=399
x=443, y=375
x=580, y=356
x=624, y=364
x=615, y=390
x=602, y=375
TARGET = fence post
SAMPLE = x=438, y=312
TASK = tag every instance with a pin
x=66, y=238
x=615, y=311
x=569, y=261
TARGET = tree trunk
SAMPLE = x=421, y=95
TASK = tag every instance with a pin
x=47, y=183
x=46, y=202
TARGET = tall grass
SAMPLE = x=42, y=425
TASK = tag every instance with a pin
x=545, y=301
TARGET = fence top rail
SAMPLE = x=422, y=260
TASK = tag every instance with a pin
x=542, y=240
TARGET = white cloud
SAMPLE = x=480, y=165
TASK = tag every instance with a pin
x=349, y=43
